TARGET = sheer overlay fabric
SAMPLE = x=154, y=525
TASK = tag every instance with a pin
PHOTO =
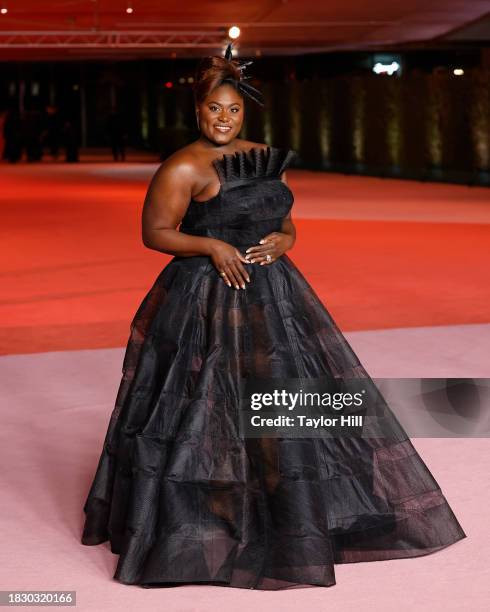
x=181, y=496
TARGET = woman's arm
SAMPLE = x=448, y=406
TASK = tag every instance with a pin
x=289, y=229
x=287, y=224
x=166, y=202
x=165, y=205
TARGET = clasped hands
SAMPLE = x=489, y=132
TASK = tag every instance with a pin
x=229, y=261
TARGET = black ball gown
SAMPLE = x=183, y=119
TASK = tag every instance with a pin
x=179, y=494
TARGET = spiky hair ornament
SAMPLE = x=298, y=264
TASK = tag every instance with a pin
x=241, y=85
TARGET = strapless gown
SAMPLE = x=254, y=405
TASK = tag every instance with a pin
x=179, y=494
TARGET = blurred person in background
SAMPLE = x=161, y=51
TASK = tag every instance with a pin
x=12, y=134
x=117, y=135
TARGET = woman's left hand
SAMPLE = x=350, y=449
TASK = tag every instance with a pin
x=272, y=245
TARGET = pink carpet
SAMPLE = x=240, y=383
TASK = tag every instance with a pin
x=403, y=268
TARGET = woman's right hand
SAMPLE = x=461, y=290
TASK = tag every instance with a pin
x=229, y=262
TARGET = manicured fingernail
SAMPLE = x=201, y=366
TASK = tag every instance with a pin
x=237, y=286
x=252, y=260
x=243, y=286
x=248, y=280
x=261, y=241
x=262, y=263
x=229, y=284
x=248, y=250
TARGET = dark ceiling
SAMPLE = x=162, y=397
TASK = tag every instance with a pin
x=73, y=29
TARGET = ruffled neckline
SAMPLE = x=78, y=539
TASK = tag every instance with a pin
x=244, y=164
x=254, y=162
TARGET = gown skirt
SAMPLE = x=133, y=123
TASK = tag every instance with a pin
x=180, y=494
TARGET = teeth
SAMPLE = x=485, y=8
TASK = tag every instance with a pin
x=223, y=128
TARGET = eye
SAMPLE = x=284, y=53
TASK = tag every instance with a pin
x=236, y=109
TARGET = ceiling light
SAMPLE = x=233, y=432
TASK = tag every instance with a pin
x=380, y=68
x=129, y=9
x=234, y=32
x=458, y=72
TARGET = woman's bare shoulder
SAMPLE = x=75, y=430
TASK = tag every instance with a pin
x=182, y=164
x=181, y=157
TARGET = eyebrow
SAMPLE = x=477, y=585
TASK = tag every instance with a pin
x=219, y=103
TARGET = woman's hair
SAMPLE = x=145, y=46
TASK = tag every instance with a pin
x=210, y=72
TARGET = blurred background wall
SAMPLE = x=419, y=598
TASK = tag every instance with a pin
x=399, y=90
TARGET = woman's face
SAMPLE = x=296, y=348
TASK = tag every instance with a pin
x=221, y=115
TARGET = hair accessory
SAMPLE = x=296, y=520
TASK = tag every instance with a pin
x=244, y=88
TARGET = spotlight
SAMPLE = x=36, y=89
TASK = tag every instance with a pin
x=4, y=10
x=380, y=68
x=458, y=72
x=169, y=84
x=129, y=8
x=234, y=32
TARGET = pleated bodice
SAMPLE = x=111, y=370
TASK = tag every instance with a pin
x=252, y=200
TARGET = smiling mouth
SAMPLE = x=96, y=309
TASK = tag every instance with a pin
x=222, y=128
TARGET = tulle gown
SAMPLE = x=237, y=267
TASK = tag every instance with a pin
x=179, y=493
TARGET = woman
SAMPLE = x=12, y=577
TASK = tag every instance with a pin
x=180, y=494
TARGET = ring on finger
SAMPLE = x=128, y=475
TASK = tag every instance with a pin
x=268, y=257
